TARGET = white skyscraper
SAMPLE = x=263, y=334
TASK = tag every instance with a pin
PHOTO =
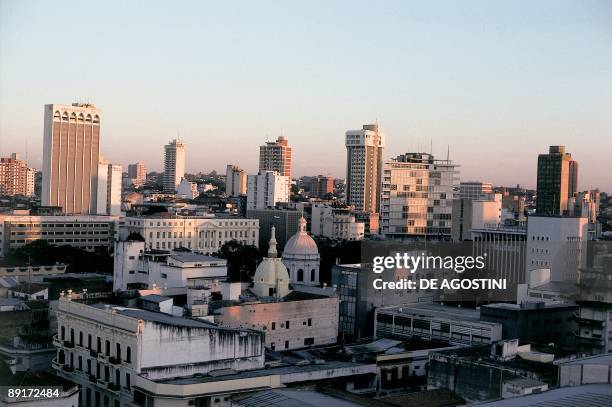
x=364, y=159
x=71, y=152
x=174, y=165
x=108, y=198
x=266, y=189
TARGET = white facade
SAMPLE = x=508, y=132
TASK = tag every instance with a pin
x=301, y=257
x=112, y=351
x=557, y=243
x=235, y=181
x=205, y=235
x=266, y=189
x=469, y=214
x=136, y=268
x=108, y=196
x=187, y=190
x=174, y=165
x=335, y=223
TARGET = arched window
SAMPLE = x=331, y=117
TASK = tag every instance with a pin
x=89, y=341
x=312, y=275
x=300, y=276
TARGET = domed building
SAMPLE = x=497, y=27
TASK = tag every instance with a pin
x=271, y=277
x=301, y=257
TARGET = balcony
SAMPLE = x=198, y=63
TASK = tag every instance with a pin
x=55, y=365
x=582, y=320
x=93, y=353
x=68, y=369
x=114, y=360
x=69, y=344
x=115, y=388
x=92, y=378
x=102, y=357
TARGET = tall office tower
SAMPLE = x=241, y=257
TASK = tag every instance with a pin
x=70, y=157
x=554, y=174
x=266, y=189
x=138, y=173
x=16, y=177
x=475, y=190
x=321, y=186
x=235, y=181
x=108, y=195
x=572, y=188
x=364, y=150
x=276, y=156
x=417, y=196
x=174, y=165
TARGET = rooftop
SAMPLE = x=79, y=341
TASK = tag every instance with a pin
x=435, y=310
x=291, y=398
x=530, y=306
x=155, y=298
x=185, y=257
x=593, y=360
x=585, y=395
x=157, y=317
x=29, y=288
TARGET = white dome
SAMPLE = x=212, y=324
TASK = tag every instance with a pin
x=301, y=243
x=271, y=277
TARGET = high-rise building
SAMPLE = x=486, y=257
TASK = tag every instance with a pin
x=475, y=190
x=266, y=189
x=557, y=181
x=235, y=181
x=321, y=186
x=137, y=173
x=174, y=165
x=108, y=196
x=417, y=196
x=276, y=156
x=364, y=159
x=16, y=177
x=71, y=153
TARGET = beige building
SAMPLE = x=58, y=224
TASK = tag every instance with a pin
x=276, y=156
x=417, y=196
x=174, y=165
x=71, y=153
x=137, y=173
x=16, y=177
x=85, y=232
x=364, y=159
x=235, y=181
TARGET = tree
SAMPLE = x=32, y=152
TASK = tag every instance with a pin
x=242, y=260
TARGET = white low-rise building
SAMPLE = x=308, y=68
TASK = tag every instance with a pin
x=203, y=234
x=134, y=267
x=336, y=223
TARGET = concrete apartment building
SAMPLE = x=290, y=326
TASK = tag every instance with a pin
x=364, y=158
x=266, y=189
x=557, y=181
x=108, y=195
x=557, y=243
x=203, y=234
x=475, y=213
x=431, y=321
x=86, y=231
x=336, y=223
x=417, y=196
x=235, y=181
x=16, y=177
x=321, y=186
x=71, y=152
x=174, y=165
x=276, y=156
x=137, y=173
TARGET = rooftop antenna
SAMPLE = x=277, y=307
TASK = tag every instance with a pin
x=448, y=153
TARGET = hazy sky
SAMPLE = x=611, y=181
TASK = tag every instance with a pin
x=498, y=81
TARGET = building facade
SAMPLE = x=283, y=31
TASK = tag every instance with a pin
x=364, y=159
x=475, y=190
x=336, y=223
x=16, y=177
x=235, y=181
x=557, y=181
x=276, y=156
x=137, y=173
x=203, y=234
x=321, y=186
x=266, y=189
x=85, y=232
x=71, y=152
x=417, y=196
x=108, y=195
x=174, y=165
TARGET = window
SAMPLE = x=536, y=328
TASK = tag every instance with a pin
x=128, y=385
x=308, y=341
x=63, y=333
x=89, y=341
x=128, y=355
x=286, y=344
x=287, y=325
x=164, y=275
x=273, y=325
x=309, y=321
x=300, y=275
x=107, y=348
x=80, y=338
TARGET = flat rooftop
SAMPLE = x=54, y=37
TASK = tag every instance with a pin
x=431, y=309
x=159, y=318
x=531, y=306
x=593, y=360
x=280, y=370
x=185, y=257
x=591, y=395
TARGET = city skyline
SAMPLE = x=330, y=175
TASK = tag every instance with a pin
x=518, y=84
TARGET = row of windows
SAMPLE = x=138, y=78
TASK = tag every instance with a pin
x=98, y=348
